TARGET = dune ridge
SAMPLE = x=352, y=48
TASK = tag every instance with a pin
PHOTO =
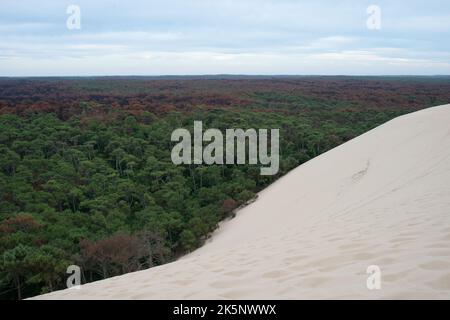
x=381, y=199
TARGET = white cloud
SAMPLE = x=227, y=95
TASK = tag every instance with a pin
x=207, y=62
x=25, y=27
x=224, y=36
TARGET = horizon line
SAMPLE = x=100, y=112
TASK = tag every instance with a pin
x=223, y=75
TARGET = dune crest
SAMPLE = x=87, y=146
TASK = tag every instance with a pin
x=380, y=199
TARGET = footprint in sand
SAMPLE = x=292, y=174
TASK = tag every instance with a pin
x=274, y=274
x=236, y=273
x=182, y=282
x=314, y=281
x=223, y=284
x=237, y=294
x=294, y=259
x=436, y=265
x=351, y=246
x=394, y=276
x=442, y=283
x=438, y=245
x=441, y=253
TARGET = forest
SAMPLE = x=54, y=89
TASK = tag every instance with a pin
x=86, y=176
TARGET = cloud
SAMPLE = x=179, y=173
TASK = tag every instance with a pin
x=27, y=26
x=328, y=43
x=223, y=36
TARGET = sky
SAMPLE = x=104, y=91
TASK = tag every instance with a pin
x=192, y=37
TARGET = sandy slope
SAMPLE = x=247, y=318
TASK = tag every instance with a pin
x=381, y=199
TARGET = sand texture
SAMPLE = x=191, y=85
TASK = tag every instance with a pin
x=381, y=199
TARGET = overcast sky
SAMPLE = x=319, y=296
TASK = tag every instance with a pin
x=224, y=37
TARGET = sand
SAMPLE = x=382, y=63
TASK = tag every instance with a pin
x=380, y=199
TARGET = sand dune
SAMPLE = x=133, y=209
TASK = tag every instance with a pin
x=381, y=199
